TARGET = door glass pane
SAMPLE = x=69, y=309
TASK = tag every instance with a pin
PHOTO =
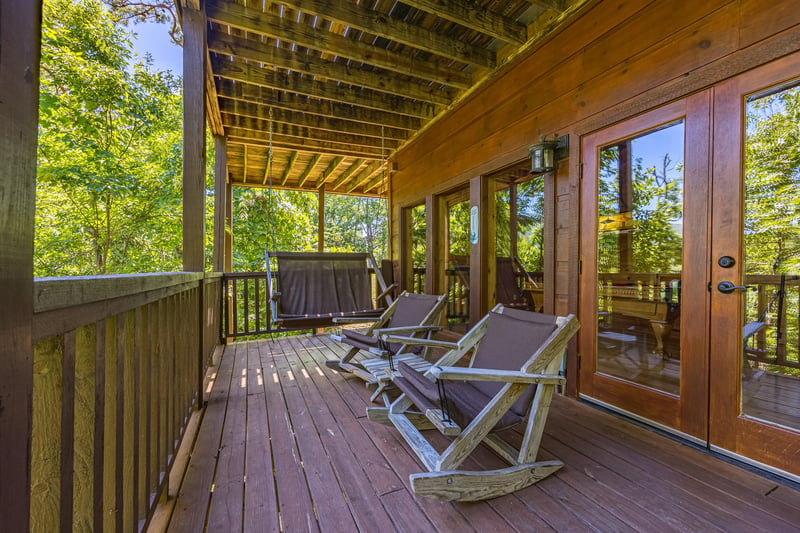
x=520, y=237
x=457, y=267
x=770, y=367
x=418, y=242
x=640, y=250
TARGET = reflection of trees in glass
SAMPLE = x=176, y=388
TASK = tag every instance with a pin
x=530, y=223
x=772, y=178
x=656, y=207
x=458, y=228
x=418, y=229
x=772, y=212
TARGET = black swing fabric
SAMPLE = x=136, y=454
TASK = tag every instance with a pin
x=323, y=285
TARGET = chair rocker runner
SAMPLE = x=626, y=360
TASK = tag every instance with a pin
x=310, y=289
x=511, y=377
x=415, y=315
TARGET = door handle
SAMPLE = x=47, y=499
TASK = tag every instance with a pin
x=726, y=287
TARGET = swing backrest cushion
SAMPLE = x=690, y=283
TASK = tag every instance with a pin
x=322, y=283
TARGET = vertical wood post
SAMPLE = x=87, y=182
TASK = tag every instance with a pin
x=20, y=45
x=434, y=228
x=482, y=254
x=220, y=201
x=228, y=228
x=513, y=224
x=405, y=264
x=194, y=139
x=321, y=218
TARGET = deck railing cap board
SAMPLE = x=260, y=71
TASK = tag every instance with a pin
x=58, y=293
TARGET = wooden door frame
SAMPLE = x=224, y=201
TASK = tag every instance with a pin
x=687, y=413
x=769, y=445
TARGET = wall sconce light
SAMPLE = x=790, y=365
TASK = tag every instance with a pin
x=544, y=154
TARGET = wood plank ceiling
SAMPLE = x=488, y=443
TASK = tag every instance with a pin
x=340, y=86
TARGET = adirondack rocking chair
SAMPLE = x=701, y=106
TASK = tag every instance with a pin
x=417, y=315
x=311, y=289
x=511, y=379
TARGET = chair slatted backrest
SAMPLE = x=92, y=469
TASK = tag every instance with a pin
x=511, y=339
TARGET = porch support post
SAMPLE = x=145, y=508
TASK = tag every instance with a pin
x=228, y=228
x=482, y=253
x=194, y=138
x=20, y=45
x=513, y=225
x=321, y=218
x=434, y=243
x=220, y=201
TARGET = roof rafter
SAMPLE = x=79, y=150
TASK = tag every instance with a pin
x=359, y=17
x=256, y=21
x=481, y=20
x=246, y=109
x=307, y=172
x=297, y=83
x=241, y=48
x=256, y=94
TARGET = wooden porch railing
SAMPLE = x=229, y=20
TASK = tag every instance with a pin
x=772, y=344
x=119, y=363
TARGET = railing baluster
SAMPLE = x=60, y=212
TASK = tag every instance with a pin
x=246, y=305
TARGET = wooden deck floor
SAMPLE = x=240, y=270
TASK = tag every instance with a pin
x=284, y=444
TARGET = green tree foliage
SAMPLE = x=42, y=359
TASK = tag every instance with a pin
x=352, y=224
x=108, y=198
x=271, y=220
x=356, y=224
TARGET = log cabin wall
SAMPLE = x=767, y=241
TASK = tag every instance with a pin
x=618, y=59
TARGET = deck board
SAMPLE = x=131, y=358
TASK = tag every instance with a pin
x=284, y=444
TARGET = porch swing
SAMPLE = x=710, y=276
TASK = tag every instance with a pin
x=311, y=289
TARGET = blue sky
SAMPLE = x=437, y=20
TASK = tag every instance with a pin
x=154, y=38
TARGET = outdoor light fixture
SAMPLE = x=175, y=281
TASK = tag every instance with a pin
x=545, y=153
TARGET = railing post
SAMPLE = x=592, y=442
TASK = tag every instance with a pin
x=20, y=43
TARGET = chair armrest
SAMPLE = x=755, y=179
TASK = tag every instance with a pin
x=406, y=329
x=490, y=374
x=388, y=289
x=422, y=342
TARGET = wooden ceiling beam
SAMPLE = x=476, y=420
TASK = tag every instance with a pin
x=299, y=84
x=371, y=184
x=288, y=168
x=256, y=21
x=240, y=136
x=258, y=111
x=344, y=176
x=363, y=176
x=283, y=58
x=307, y=172
x=359, y=17
x=332, y=166
x=285, y=130
x=246, y=92
x=482, y=20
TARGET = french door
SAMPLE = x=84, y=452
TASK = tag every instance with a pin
x=690, y=274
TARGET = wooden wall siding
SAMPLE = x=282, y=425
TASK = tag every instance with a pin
x=616, y=52
x=121, y=388
x=617, y=60
x=19, y=86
